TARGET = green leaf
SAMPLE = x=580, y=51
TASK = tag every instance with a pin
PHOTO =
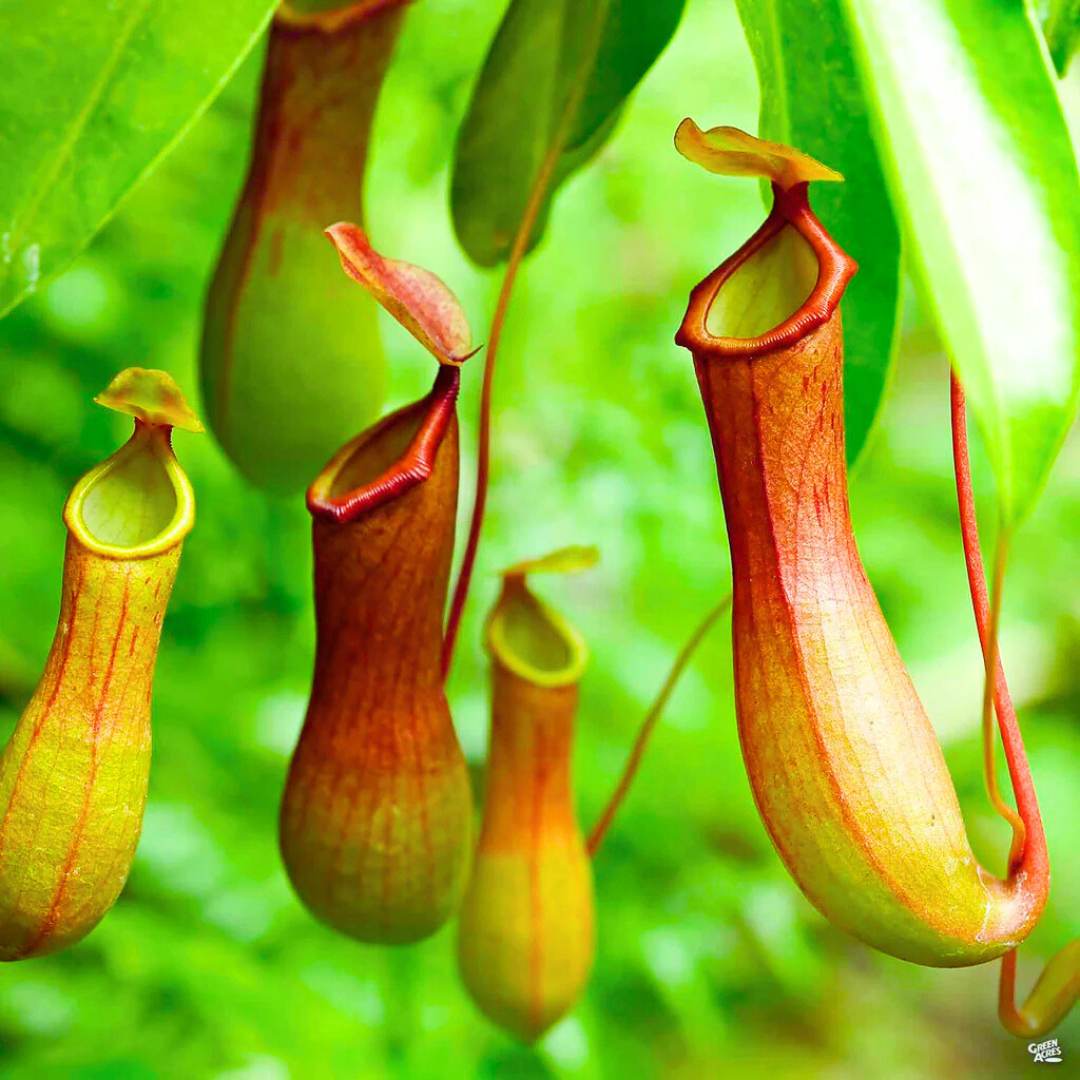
x=805, y=43
x=549, y=94
x=984, y=177
x=93, y=95
x=1062, y=29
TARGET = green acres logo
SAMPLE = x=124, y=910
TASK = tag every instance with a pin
x=1048, y=1052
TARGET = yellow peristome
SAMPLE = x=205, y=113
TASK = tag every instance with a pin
x=530, y=638
x=730, y=151
x=151, y=396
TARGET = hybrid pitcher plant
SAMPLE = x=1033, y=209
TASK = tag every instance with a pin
x=844, y=765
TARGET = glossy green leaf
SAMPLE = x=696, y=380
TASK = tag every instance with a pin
x=984, y=177
x=92, y=96
x=1062, y=29
x=805, y=43
x=549, y=94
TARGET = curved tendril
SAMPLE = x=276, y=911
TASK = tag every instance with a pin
x=513, y=263
x=1057, y=988
x=1029, y=839
x=991, y=660
x=483, y=447
x=1053, y=995
x=648, y=725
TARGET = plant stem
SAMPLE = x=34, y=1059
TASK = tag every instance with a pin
x=991, y=661
x=1029, y=840
x=1058, y=986
x=633, y=763
x=483, y=448
x=1053, y=995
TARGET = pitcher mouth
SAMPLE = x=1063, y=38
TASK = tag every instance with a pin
x=388, y=459
x=532, y=640
x=790, y=211
x=137, y=503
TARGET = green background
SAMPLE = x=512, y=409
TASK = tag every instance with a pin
x=709, y=960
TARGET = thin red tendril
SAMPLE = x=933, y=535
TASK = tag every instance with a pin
x=637, y=752
x=1029, y=842
x=1057, y=988
x=518, y=251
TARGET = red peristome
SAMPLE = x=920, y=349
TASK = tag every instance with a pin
x=413, y=467
x=836, y=269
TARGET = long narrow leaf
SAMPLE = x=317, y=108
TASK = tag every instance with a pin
x=984, y=176
x=812, y=99
x=92, y=95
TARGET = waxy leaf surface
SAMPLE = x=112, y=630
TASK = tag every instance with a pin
x=549, y=94
x=805, y=43
x=984, y=177
x=92, y=96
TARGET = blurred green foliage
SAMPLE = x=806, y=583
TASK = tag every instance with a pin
x=710, y=962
